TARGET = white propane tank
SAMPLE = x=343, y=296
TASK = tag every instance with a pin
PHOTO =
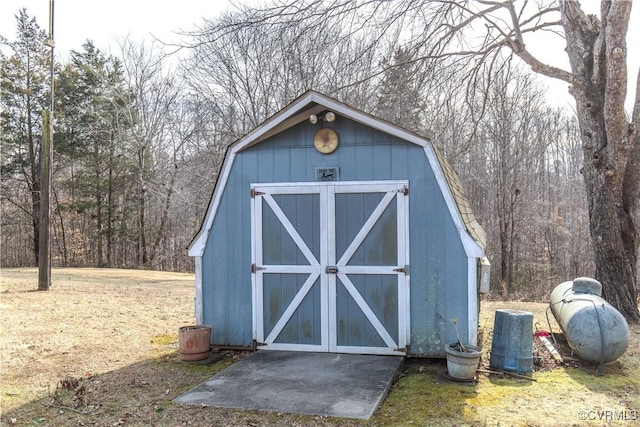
x=594, y=329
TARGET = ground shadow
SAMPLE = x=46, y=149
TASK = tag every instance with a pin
x=141, y=394
x=614, y=376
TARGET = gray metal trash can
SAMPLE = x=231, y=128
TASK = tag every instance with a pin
x=512, y=343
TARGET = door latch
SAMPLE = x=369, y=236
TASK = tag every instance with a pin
x=330, y=269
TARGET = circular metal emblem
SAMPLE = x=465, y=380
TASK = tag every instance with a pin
x=325, y=141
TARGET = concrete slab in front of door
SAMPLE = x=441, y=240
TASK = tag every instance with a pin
x=336, y=385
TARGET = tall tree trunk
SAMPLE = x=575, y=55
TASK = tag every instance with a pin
x=631, y=185
x=503, y=235
x=165, y=213
x=504, y=253
x=35, y=217
x=62, y=238
x=512, y=244
x=611, y=225
x=142, y=240
x=504, y=207
x=98, y=200
x=34, y=176
x=110, y=202
x=597, y=53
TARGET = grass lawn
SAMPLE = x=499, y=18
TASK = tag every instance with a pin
x=100, y=348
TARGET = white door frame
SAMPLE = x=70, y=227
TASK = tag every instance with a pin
x=397, y=191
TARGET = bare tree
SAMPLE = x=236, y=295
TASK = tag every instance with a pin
x=250, y=72
x=169, y=159
x=155, y=93
x=467, y=32
x=597, y=52
x=511, y=130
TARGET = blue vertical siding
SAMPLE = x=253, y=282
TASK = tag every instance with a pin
x=438, y=261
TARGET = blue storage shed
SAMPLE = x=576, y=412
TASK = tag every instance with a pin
x=331, y=230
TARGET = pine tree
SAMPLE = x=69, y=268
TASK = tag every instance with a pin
x=92, y=134
x=24, y=75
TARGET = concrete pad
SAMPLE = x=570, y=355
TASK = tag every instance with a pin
x=336, y=385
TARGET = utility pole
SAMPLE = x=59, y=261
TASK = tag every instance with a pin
x=46, y=157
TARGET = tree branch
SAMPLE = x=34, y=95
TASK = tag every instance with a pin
x=19, y=206
x=519, y=48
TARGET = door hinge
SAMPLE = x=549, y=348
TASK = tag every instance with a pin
x=402, y=349
x=255, y=268
x=255, y=193
x=404, y=269
x=257, y=344
x=404, y=190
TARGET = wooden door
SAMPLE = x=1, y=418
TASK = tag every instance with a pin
x=330, y=267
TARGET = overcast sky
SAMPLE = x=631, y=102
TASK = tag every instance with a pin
x=106, y=21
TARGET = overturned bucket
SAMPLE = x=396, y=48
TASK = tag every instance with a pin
x=512, y=342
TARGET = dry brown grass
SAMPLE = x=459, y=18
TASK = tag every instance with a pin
x=116, y=333
x=100, y=348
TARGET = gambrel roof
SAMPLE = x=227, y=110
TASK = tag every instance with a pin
x=299, y=110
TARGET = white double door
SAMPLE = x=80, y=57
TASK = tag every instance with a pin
x=329, y=268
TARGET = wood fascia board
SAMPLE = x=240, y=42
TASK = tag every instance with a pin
x=196, y=248
x=369, y=120
x=258, y=134
x=294, y=114
x=284, y=125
